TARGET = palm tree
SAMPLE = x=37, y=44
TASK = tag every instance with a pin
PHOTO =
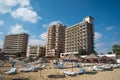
x=116, y=49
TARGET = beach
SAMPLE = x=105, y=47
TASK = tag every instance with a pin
x=55, y=74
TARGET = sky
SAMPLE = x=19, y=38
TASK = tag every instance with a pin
x=35, y=16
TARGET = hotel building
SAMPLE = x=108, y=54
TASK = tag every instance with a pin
x=35, y=51
x=69, y=40
x=80, y=36
x=55, y=40
x=15, y=44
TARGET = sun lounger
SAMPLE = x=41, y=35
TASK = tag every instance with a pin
x=116, y=65
x=1, y=63
x=30, y=69
x=97, y=68
x=69, y=73
x=1, y=77
x=12, y=71
x=81, y=71
x=107, y=67
x=39, y=66
x=43, y=66
x=22, y=63
x=59, y=65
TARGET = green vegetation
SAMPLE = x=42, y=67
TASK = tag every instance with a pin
x=109, y=53
x=116, y=49
x=82, y=52
x=94, y=52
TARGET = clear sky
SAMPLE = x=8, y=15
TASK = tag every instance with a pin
x=34, y=17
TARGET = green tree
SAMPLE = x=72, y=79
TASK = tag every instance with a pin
x=94, y=52
x=82, y=52
x=109, y=53
x=116, y=49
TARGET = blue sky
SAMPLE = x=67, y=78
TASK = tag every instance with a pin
x=34, y=17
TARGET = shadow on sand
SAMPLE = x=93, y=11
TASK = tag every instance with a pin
x=20, y=79
x=56, y=76
x=91, y=72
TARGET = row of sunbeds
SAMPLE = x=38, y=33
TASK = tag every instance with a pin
x=105, y=67
x=71, y=73
x=29, y=68
x=93, y=68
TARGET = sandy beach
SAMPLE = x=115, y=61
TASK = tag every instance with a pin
x=55, y=74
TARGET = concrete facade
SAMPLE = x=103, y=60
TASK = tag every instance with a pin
x=69, y=40
x=55, y=40
x=80, y=36
x=15, y=44
x=35, y=51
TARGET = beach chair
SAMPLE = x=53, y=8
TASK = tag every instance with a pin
x=39, y=66
x=81, y=71
x=11, y=71
x=30, y=69
x=76, y=65
x=22, y=63
x=1, y=63
x=107, y=67
x=69, y=73
x=116, y=65
x=1, y=77
x=43, y=66
x=59, y=65
x=97, y=68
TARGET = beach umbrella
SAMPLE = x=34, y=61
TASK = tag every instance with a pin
x=52, y=57
x=106, y=59
x=73, y=58
x=41, y=61
x=91, y=57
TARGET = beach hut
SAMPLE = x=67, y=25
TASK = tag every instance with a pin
x=72, y=58
x=105, y=59
x=91, y=58
x=51, y=57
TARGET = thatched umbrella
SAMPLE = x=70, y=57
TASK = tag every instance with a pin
x=42, y=60
x=51, y=57
x=106, y=59
x=72, y=58
x=91, y=57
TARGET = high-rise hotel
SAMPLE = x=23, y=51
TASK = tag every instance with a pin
x=15, y=44
x=55, y=40
x=69, y=40
x=80, y=36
